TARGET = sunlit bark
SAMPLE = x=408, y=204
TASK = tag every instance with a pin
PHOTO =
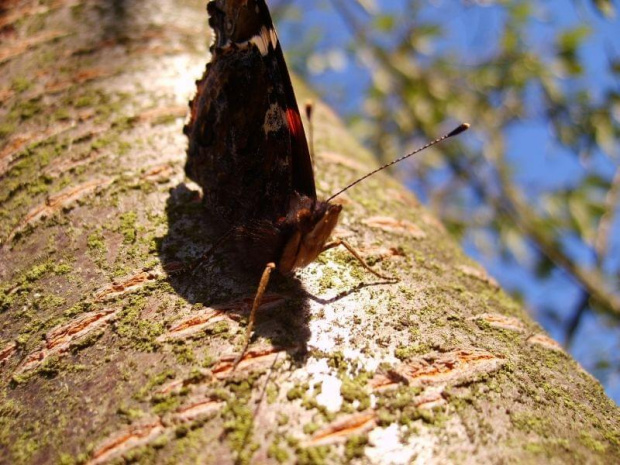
x=103, y=357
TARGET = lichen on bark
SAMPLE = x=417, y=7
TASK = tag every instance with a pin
x=106, y=358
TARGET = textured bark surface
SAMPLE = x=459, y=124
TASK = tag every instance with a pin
x=103, y=358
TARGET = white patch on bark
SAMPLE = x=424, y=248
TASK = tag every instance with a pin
x=327, y=331
x=329, y=397
x=386, y=447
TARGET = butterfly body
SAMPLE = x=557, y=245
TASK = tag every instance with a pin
x=247, y=147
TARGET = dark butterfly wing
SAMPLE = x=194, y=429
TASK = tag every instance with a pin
x=247, y=148
x=303, y=174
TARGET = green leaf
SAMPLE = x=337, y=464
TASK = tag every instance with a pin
x=384, y=23
x=605, y=7
x=582, y=217
x=570, y=40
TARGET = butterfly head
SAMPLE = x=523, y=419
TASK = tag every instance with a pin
x=310, y=224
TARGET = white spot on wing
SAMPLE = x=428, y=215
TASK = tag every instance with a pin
x=274, y=38
x=263, y=39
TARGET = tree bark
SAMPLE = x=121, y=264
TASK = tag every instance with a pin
x=106, y=358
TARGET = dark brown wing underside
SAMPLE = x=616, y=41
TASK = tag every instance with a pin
x=303, y=174
x=247, y=148
x=239, y=147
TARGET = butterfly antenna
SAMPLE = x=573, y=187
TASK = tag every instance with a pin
x=455, y=132
x=309, y=108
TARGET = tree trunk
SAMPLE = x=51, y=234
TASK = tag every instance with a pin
x=104, y=358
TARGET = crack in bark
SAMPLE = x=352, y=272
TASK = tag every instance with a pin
x=497, y=320
x=159, y=173
x=478, y=274
x=17, y=13
x=178, y=385
x=19, y=141
x=17, y=47
x=61, y=339
x=127, y=440
x=393, y=225
x=7, y=352
x=339, y=430
x=129, y=284
x=122, y=442
x=199, y=320
x=251, y=360
x=57, y=202
x=452, y=367
x=82, y=76
x=545, y=341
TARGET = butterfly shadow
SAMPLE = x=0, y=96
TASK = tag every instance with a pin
x=221, y=282
x=346, y=293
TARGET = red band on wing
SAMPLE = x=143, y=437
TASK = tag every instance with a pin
x=294, y=123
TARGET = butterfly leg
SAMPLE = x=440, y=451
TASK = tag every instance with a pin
x=353, y=252
x=262, y=286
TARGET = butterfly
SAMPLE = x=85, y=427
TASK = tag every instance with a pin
x=248, y=150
